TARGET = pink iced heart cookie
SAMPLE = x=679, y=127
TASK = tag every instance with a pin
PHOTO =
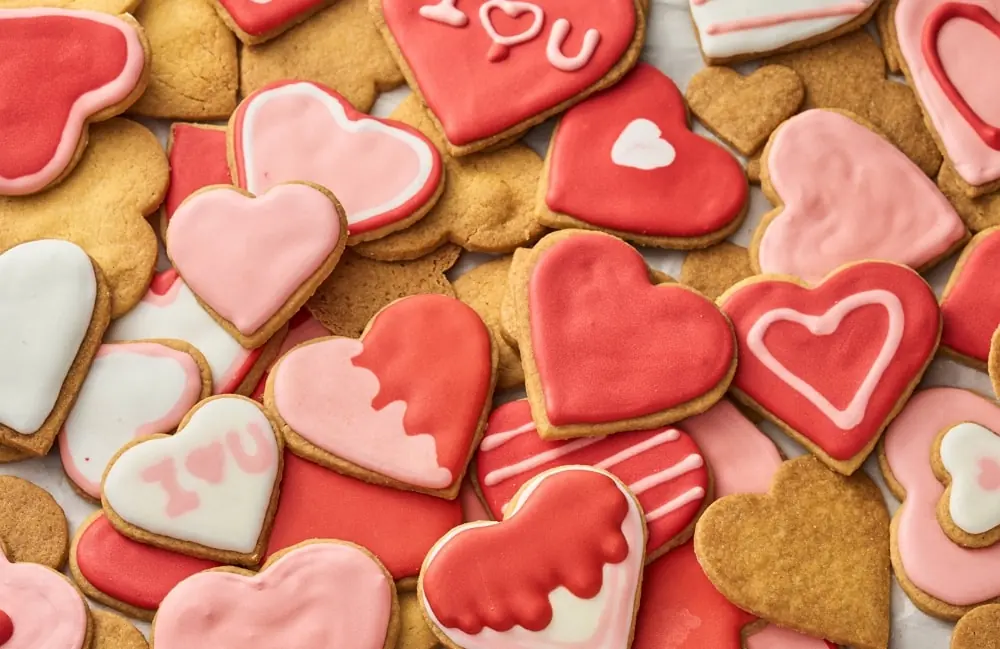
x=403, y=406
x=568, y=49
x=174, y=492
x=317, y=594
x=566, y=568
x=893, y=211
x=967, y=459
x=256, y=21
x=385, y=174
x=289, y=241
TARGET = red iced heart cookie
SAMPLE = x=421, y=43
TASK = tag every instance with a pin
x=596, y=335
x=568, y=49
x=403, y=406
x=625, y=161
x=831, y=364
x=198, y=158
x=94, y=67
x=256, y=21
x=664, y=468
x=970, y=305
x=566, y=568
x=385, y=174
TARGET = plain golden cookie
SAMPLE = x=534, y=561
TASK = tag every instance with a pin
x=112, y=631
x=979, y=629
x=413, y=630
x=978, y=213
x=33, y=526
x=714, y=270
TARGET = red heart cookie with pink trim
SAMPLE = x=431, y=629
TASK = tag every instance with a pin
x=832, y=364
x=256, y=21
x=568, y=49
x=566, y=568
x=970, y=305
x=625, y=161
x=403, y=406
x=94, y=67
x=595, y=334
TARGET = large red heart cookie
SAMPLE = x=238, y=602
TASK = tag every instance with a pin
x=970, y=305
x=469, y=62
x=832, y=364
x=625, y=161
x=565, y=568
x=256, y=21
x=403, y=406
x=93, y=66
x=604, y=349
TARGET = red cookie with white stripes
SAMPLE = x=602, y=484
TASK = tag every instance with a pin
x=664, y=468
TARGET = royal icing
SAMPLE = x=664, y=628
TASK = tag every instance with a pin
x=971, y=455
x=397, y=526
x=301, y=329
x=733, y=28
x=593, y=314
x=263, y=17
x=382, y=171
x=931, y=561
x=127, y=571
x=211, y=483
x=44, y=608
x=563, y=46
x=48, y=292
x=90, y=62
x=833, y=361
x=970, y=307
x=286, y=235
x=131, y=390
x=565, y=570
x=625, y=160
x=944, y=41
x=405, y=401
x=170, y=310
x=664, y=468
x=446, y=13
x=893, y=211
x=197, y=159
x=326, y=594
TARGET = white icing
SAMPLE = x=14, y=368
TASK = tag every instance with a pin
x=971, y=455
x=641, y=146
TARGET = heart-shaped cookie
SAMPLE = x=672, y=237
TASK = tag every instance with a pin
x=197, y=155
x=159, y=490
x=831, y=365
x=566, y=568
x=744, y=535
x=594, y=333
x=45, y=132
x=290, y=241
x=33, y=526
x=626, y=162
x=966, y=458
x=664, y=468
x=970, y=304
x=386, y=175
x=404, y=406
x=302, y=328
x=318, y=594
x=501, y=43
x=132, y=390
x=893, y=211
x=980, y=629
x=256, y=21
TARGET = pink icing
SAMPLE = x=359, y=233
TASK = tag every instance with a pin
x=933, y=563
x=745, y=24
x=47, y=611
x=989, y=474
x=775, y=637
x=207, y=462
x=893, y=211
x=968, y=44
x=180, y=501
x=318, y=595
x=973, y=159
x=284, y=237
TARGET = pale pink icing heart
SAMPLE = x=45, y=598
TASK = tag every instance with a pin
x=989, y=474
x=328, y=594
x=46, y=610
x=964, y=45
x=207, y=462
x=849, y=195
x=245, y=257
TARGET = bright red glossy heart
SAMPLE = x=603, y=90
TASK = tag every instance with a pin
x=259, y=18
x=970, y=308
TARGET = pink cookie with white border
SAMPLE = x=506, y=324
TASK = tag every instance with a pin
x=257, y=21
x=565, y=568
x=569, y=50
x=966, y=459
x=386, y=174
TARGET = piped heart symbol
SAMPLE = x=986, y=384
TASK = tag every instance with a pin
x=207, y=462
x=641, y=146
x=500, y=49
x=989, y=474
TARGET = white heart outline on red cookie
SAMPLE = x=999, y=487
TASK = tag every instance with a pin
x=641, y=146
x=973, y=506
x=825, y=324
x=513, y=9
x=45, y=608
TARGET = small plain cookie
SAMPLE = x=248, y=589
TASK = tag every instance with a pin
x=714, y=270
x=978, y=213
x=970, y=303
x=33, y=526
x=112, y=631
x=256, y=22
x=980, y=629
x=966, y=459
x=413, y=630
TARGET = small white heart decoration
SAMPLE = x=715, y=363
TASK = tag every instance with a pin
x=641, y=146
x=971, y=455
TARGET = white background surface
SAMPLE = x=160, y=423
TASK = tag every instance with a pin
x=671, y=47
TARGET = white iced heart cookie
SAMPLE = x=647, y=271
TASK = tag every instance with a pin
x=210, y=486
x=968, y=459
x=641, y=146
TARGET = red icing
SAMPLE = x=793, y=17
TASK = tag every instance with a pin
x=475, y=97
x=971, y=309
x=948, y=11
x=702, y=191
x=835, y=364
x=433, y=353
x=6, y=627
x=163, y=282
x=73, y=56
x=197, y=159
x=259, y=18
x=603, y=337
x=399, y=527
x=491, y=577
x=132, y=573
x=517, y=414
